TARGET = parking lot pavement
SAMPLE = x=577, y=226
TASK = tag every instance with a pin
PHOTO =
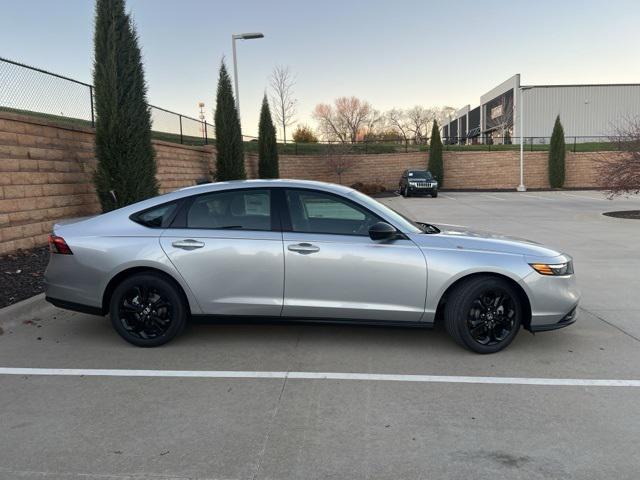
x=104, y=427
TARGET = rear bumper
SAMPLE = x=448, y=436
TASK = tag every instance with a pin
x=76, y=307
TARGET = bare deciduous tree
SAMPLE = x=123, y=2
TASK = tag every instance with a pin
x=338, y=161
x=374, y=123
x=343, y=120
x=620, y=173
x=397, y=120
x=419, y=119
x=284, y=104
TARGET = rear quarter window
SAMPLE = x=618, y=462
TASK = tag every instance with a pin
x=156, y=217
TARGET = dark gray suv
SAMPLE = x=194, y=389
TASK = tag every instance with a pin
x=418, y=182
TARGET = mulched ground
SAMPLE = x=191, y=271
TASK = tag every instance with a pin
x=631, y=214
x=21, y=275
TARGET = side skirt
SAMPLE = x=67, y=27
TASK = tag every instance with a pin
x=249, y=319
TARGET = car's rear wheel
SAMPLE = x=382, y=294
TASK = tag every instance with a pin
x=483, y=314
x=147, y=310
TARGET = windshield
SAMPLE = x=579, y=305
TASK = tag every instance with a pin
x=420, y=174
x=405, y=223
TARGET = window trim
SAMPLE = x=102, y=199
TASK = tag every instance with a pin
x=286, y=213
x=180, y=219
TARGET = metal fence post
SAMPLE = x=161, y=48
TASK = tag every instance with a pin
x=93, y=120
x=406, y=145
x=206, y=140
x=574, y=144
x=180, y=118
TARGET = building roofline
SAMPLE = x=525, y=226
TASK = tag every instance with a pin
x=583, y=85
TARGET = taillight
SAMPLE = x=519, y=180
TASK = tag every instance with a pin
x=58, y=245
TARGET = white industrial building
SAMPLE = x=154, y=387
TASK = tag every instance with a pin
x=509, y=111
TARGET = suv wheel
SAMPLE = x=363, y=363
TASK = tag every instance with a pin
x=147, y=310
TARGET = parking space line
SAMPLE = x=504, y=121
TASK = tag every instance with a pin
x=534, y=196
x=494, y=197
x=447, y=196
x=581, y=196
x=379, y=377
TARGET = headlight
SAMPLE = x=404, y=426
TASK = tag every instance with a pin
x=553, y=269
x=413, y=184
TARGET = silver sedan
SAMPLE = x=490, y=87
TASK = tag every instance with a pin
x=301, y=250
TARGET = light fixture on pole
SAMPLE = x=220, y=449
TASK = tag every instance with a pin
x=202, y=118
x=234, y=37
x=521, y=187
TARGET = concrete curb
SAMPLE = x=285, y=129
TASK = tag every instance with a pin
x=23, y=310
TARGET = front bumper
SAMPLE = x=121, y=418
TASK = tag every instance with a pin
x=567, y=320
x=553, y=299
x=422, y=190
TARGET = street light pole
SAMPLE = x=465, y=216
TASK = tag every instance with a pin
x=234, y=37
x=521, y=187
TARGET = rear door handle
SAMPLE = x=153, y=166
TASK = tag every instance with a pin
x=303, y=248
x=188, y=244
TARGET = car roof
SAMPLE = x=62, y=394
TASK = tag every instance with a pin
x=265, y=183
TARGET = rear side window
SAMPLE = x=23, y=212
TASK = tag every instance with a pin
x=156, y=217
x=231, y=210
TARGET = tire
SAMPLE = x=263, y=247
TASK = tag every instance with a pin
x=406, y=193
x=147, y=310
x=474, y=318
x=434, y=194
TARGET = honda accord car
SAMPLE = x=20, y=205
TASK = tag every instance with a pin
x=303, y=251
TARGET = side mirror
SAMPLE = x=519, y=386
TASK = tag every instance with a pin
x=382, y=231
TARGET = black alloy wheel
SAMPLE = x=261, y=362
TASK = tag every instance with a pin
x=147, y=310
x=484, y=313
x=491, y=317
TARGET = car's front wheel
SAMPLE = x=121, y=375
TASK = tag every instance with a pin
x=483, y=314
x=147, y=310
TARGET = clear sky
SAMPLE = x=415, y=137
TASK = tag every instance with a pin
x=391, y=53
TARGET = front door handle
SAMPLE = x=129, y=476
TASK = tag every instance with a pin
x=188, y=244
x=303, y=248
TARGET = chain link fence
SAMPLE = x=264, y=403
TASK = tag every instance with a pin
x=33, y=91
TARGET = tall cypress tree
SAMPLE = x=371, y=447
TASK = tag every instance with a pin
x=126, y=171
x=229, y=146
x=267, y=146
x=557, y=151
x=436, y=166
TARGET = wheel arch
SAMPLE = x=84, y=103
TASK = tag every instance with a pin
x=126, y=273
x=524, y=297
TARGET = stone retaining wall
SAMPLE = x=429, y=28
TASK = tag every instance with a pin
x=46, y=172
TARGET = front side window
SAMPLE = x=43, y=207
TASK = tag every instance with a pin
x=317, y=212
x=238, y=210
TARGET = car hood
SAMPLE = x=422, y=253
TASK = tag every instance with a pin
x=469, y=239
